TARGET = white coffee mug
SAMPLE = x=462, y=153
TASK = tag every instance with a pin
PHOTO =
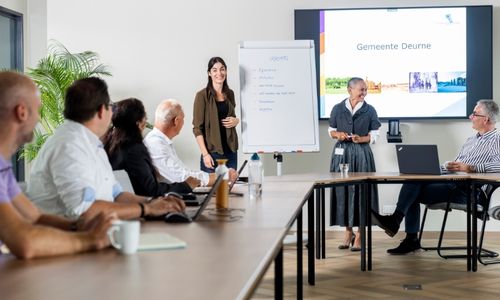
x=124, y=235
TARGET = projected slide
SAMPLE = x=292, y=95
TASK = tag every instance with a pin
x=413, y=60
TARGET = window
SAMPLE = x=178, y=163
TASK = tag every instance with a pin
x=11, y=58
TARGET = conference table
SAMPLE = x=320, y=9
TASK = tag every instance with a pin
x=226, y=256
x=363, y=181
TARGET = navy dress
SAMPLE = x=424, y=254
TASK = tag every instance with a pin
x=344, y=211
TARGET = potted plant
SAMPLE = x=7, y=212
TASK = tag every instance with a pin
x=53, y=75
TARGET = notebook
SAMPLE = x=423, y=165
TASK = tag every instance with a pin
x=159, y=241
x=206, y=189
x=419, y=159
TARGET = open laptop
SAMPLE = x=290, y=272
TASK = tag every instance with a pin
x=191, y=214
x=195, y=213
x=198, y=199
x=419, y=159
x=206, y=189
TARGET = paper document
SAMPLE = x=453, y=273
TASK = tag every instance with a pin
x=159, y=241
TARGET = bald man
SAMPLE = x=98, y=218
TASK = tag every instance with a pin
x=25, y=231
x=169, y=120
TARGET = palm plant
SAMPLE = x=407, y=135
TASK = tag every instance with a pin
x=53, y=75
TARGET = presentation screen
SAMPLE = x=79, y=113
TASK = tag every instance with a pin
x=416, y=62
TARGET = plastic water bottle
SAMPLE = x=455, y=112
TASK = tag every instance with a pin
x=255, y=177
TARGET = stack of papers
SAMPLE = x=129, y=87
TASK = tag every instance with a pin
x=159, y=241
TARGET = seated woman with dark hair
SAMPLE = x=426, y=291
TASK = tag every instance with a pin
x=126, y=151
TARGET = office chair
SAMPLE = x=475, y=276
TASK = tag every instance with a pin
x=494, y=213
x=124, y=180
x=484, y=197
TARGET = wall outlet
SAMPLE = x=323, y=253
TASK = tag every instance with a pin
x=388, y=209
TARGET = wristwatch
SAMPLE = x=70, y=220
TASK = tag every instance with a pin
x=472, y=169
x=73, y=226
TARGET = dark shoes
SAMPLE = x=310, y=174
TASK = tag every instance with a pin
x=356, y=244
x=351, y=242
x=407, y=245
x=389, y=223
x=355, y=249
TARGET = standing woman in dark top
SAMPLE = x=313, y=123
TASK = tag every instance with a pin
x=354, y=125
x=214, y=119
x=126, y=151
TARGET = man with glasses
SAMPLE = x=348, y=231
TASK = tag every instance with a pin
x=72, y=176
x=479, y=154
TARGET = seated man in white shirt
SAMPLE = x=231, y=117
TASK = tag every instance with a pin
x=72, y=176
x=169, y=119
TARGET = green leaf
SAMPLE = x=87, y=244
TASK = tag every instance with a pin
x=53, y=75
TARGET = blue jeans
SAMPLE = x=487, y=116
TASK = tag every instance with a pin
x=232, y=161
x=412, y=194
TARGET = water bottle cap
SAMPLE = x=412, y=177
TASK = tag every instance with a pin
x=255, y=156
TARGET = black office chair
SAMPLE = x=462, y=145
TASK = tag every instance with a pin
x=494, y=213
x=484, y=197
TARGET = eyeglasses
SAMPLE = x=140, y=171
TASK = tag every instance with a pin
x=112, y=105
x=475, y=115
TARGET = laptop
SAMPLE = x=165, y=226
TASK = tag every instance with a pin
x=419, y=159
x=206, y=189
x=195, y=213
x=237, y=178
x=190, y=214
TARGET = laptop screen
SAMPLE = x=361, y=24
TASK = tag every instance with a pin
x=208, y=197
x=239, y=173
x=418, y=159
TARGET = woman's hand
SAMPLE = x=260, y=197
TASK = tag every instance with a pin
x=360, y=139
x=208, y=161
x=341, y=136
x=230, y=122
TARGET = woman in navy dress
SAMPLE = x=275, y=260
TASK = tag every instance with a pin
x=354, y=125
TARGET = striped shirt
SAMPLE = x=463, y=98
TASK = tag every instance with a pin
x=482, y=152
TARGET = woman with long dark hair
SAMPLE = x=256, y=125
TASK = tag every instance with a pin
x=125, y=149
x=214, y=119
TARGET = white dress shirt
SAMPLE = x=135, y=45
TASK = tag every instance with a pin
x=167, y=162
x=373, y=133
x=70, y=172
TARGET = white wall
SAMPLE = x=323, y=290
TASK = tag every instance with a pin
x=15, y=5
x=159, y=49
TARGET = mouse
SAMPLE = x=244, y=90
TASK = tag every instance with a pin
x=177, y=217
x=188, y=197
x=173, y=194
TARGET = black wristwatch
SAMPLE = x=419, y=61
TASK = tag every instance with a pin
x=142, y=210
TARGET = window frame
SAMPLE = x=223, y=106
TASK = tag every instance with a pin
x=17, y=63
